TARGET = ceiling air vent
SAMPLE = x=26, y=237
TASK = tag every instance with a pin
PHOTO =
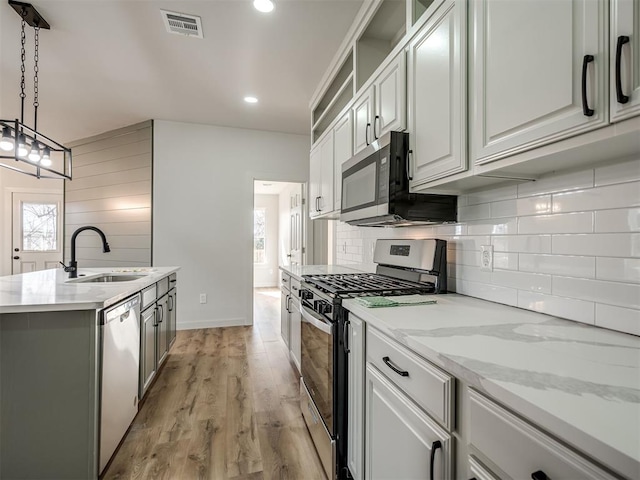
x=182, y=24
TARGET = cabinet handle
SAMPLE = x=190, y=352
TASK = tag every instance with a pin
x=172, y=303
x=622, y=98
x=161, y=310
x=434, y=446
x=409, y=156
x=345, y=336
x=317, y=204
x=402, y=373
x=588, y=112
x=286, y=304
x=376, y=120
x=539, y=475
x=366, y=133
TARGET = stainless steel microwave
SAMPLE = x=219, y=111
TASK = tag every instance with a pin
x=375, y=188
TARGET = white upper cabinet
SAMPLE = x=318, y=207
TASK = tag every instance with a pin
x=538, y=73
x=315, y=178
x=343, y=150
x=383, y=106
x=624, y=48
x=437, y=95
x=326, y=167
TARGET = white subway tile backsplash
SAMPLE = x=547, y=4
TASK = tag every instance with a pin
x=503, y=226
x=618, y=318
x=566, y=265
x=522, y=243
x=562, y=246
x=493, y=195
x=557, y=183
x=618, y=269
x=621, y=220
x=521, y=206
x=600, y=198
x=620, y=294
x=474, y=212
x=522, y=280
x=598, y=244
x=618, y=173
x=581, y=222
x=504, y=261
x=570, y=308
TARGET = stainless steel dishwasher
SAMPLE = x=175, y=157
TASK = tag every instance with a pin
x=119, y=380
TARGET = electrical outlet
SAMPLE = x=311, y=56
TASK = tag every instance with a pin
x=203, y=298
x=486, y=258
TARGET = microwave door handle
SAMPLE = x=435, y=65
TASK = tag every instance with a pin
x=313, y=320
x=409, y=156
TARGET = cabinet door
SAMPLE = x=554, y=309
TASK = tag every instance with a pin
x=315, y=178
x=625, y=59
x=147, y=348
x=284, y=315
x=173, y=303
x=362, y=120
x=295, y=325
x=355, y=398
x=391, y=100
x=343, y=151
x=401, y=440
x=437, y=95
x=163, y=328
x=527, y=72
x=326, y=168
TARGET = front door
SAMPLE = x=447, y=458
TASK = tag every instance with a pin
x=37, y=231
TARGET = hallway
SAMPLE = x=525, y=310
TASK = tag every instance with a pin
x=225, y=406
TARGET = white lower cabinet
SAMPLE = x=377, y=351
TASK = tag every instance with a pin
x=511, y=445
x=295, y=326
x=402, y=442
x=355, y=397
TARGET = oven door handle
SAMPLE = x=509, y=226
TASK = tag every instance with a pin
x=314, y=320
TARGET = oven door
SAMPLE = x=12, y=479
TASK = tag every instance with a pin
x=317, y=362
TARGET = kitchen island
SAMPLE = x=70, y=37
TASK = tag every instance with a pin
x=50, y=366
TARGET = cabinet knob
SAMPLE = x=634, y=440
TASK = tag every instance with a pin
x=539, y=475
x=16, y=257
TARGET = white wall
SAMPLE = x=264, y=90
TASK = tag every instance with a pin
x=11, y=181
x=567, y=245
x=203, y=211
x=266, y=275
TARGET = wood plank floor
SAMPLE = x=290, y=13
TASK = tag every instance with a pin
x=224, y=407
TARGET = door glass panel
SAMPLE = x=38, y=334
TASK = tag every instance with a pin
x=39, y=227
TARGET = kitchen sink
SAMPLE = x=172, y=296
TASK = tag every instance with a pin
x=107, y=278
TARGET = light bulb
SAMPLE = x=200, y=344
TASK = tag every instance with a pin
x=264, y=6
x=46, y=157
x=6, y=142
x=34, y=154
x=22, y=146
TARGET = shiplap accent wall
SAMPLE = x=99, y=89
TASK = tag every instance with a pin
x=567, y=245
x=111, y=189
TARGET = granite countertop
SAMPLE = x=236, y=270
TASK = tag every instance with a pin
x=299, y=270
x=579, y=382
x=52, y=290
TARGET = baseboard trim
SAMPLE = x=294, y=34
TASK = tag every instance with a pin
x=231, y=322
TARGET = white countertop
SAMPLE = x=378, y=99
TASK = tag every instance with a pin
x=51, y=290
x=578, y=382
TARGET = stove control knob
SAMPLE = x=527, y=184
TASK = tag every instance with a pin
x=322, y=306
x=306, y=294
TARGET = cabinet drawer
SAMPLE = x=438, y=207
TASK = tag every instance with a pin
x=149, y=296
x=295, y=287
x=519, y=449
x=427, y=385
x=163, y=286
x=173, y=280
x=479, y=471
x=285, y=280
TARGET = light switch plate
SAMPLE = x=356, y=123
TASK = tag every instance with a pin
x=486, y=258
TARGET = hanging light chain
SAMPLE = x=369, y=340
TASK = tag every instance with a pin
x=23, y=40
x=35, y=68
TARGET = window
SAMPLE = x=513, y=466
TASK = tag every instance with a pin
x=259, y=232
x=39, y=227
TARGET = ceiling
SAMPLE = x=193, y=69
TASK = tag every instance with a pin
x=106, y=64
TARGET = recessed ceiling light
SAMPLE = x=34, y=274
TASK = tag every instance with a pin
x=264, y=6
x=251, y=99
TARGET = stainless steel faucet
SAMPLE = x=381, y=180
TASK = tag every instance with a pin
x=72, y=268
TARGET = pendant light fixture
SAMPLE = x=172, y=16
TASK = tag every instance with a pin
x=22, y=148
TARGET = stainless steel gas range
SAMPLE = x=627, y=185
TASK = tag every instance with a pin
x=404, y=267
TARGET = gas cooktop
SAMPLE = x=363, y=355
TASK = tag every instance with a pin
x=366, y=284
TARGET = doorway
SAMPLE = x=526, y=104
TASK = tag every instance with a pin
x=36, y=231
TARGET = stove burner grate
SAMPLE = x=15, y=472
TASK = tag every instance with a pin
x=366, y=284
